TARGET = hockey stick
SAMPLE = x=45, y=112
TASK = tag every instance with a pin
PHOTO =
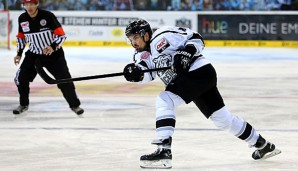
x=49, y=80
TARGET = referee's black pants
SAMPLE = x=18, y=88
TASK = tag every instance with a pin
x=56, y=65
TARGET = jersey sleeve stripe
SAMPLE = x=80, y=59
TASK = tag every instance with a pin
x=21, y=43
x=21, y=35
x=59, y=31
x=59, y=40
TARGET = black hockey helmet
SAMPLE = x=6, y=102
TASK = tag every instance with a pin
x=138, y=26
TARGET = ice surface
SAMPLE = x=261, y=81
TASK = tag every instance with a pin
x=258, y=84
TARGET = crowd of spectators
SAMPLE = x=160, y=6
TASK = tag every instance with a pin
x=160, y=5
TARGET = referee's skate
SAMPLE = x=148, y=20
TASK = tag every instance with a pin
x=20, y=109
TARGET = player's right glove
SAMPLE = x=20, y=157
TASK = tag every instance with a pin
x=133, y=73
x=182, y=59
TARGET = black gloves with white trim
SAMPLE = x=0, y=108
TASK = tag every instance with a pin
x=182, y=59
x=133, y=73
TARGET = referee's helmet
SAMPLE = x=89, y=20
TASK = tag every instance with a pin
x=30, y=1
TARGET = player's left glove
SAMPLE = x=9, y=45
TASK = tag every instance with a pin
x=133, y=73
x=182, y=59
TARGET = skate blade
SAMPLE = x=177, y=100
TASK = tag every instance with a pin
x=273, y=153
x=156, y=164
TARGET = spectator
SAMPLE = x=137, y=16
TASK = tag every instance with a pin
x=78, y=6
x=247, y=5
x=100, y=5
x=84, y=3
x=235, y=4
x=285, y=4
x=71, y=4
x=140, y=4
x=294, y=5
x=207, y=5
x=175, y=5
x=13, y=4
x=218, y=5
x=109, y=5
x=153, y=4
x=272, y=5
x=197, y=5
x=185, y=5
x=162, y=5
x=165, y=4
x=61, y=5
x=227, y=5
x=94, y=5
x=123, y=5
x=49, y=5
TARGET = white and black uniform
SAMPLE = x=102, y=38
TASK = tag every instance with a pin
x=198, y=85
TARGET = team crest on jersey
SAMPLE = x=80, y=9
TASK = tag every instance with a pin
x=166, y=76
x=162, y=45
x=25, y=26
x=145, y=55
x=43, y=22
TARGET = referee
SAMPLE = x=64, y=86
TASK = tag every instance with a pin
x=45, y=36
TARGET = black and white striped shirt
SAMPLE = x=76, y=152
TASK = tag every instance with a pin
x=42, y=31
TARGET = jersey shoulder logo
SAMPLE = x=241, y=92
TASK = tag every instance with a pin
x=25, y=26
x=43, y=22
x=162, y=45
x=145, y=55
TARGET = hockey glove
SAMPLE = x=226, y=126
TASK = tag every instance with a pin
x=182, y=59
x=133, y=73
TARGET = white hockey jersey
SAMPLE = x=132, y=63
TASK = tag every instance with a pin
x=164, y=43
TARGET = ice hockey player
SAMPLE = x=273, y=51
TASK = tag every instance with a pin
x=191, y=79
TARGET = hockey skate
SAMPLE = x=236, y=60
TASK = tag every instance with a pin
x=161, y=158
x=20, y=109
x=79, y=111
x=264, y=150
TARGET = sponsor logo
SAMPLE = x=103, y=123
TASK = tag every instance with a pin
x=117, y=32
x=211, y=26
x=166, y=76
x=183, y=53
x=43, y=22
x=42, y=29
x=154, y=21
x=72, y=32
x=162, y=45
x=25, y=26
x=95, y=33
x=183, y=22
x=95, y=21
x=145, y=55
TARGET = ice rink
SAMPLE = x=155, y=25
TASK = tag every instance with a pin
x=258, y=84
